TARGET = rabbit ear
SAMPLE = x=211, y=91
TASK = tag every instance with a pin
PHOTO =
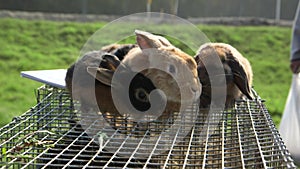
x=197, y=58
x=112, y=61
x=104, y=75
x=101, y=74
x=146, y=40
x=240, y=77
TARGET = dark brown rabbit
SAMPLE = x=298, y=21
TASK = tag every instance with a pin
x=89, y=81
x=237, y=72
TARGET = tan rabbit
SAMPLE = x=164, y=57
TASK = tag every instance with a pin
x=237, y=69
x=169, y=68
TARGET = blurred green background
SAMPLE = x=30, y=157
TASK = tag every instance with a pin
x=35, y=45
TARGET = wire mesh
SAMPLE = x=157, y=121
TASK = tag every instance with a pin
x=49, y=135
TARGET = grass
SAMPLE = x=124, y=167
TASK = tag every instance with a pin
x=33, y=45
x=267, y=49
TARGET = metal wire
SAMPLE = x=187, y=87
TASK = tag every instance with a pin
x=53, y=134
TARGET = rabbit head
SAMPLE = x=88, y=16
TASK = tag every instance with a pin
x=138, y=90
x=237, y=69
x=80, y=84
x=119, y=50
x=169, y=68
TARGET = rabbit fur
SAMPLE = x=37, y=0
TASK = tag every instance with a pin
x=237, y=69
x=169, y=68
x=99, y=67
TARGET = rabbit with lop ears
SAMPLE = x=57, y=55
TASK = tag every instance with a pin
x=237, y=69
x=80, y=83
x=170, y=69
x=89, y=81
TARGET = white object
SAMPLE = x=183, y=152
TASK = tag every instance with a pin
x=290, y=123
x=54, y=77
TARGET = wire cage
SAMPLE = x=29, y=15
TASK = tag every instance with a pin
x=49, y=135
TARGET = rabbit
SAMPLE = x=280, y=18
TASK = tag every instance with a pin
x=170, y=69
x=78, y=82
x=91, y=85
x=237, y=69
x=85, y=67
x=119, y=50
x=174, y=64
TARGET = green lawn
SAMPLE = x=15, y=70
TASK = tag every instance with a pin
x=32, y=45
x=267, y=49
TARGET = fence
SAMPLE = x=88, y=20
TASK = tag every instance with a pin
x=271, y=9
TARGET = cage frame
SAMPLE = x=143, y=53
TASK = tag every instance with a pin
x=48, y=136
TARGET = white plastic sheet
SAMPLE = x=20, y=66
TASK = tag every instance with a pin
x=290, y=122
x=55, y=77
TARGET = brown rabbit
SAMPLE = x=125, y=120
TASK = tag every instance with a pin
x=174, y=64
x=80, y=83
x=169, y=68
x=237, y=69
x=89, y=80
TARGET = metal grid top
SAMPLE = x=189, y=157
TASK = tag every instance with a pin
x=49, y=135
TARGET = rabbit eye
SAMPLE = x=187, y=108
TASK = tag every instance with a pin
x=141, y=95
x=172, y=69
